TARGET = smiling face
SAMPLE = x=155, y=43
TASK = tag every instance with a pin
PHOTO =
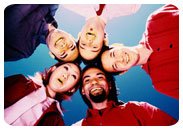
x=119, y=59
x=64, y=78
x=92, y=38
x=95, y=86
x=62, y=45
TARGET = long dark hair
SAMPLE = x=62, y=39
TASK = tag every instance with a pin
x=111, y=82
x=46, y=76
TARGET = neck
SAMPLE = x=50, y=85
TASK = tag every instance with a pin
x=50, y=92
x=144, y=54
x=99, y=106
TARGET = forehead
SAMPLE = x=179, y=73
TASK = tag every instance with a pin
x=92, y=71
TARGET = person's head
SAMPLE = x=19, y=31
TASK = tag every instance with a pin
x=62, y=79
x=62, y=45
x=97, y=86
x=119, y=58
x=92, y=38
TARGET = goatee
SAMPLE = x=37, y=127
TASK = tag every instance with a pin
x=99, y=97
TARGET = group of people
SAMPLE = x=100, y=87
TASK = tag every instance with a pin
x=26, y=26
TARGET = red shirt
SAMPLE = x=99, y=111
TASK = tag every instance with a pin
x=129, y=114
x=162, y=34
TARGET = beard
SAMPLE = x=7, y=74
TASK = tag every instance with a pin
x=98, y=97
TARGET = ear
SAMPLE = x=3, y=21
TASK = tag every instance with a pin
x=82, y=91
x=106, y=41
x=52, y=68
x=72, y=90
x=123, y=72
x=79, y=35
x=51, y=55
x=72, y=38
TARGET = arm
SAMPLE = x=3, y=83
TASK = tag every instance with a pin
x=151, y=115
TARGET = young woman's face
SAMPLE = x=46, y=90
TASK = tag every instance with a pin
x=94, y=83
x=64, y=78
x=62, y=45
x=119, y=59
x=91, y=39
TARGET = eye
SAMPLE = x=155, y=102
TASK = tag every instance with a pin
x=73, y=48
x=66, y=68
x=100, y=77
x=83, y=44
x=86, y=81
x=94, y=47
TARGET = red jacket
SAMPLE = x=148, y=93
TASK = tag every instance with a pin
x=162, y=35
x=129, y=114
x=17, y=86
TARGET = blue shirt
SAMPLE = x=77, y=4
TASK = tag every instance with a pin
x=26, y=26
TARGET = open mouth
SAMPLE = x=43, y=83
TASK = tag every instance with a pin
x=96, y=91
x=60, y=80
x=127, y=58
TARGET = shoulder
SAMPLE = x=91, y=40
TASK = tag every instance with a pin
x=138, y=105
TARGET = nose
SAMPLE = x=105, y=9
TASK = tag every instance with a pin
x=65, y=76
x=94, y=82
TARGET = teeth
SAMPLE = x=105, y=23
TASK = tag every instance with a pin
x=96, y=91
x=127, y=58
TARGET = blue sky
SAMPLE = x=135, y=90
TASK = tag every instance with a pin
x=135, y=85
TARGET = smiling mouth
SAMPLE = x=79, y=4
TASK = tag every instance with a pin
x=91, y=35
x=96, y=91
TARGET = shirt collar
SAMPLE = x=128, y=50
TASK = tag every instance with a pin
x=94, y=112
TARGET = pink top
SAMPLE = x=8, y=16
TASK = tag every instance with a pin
x=32, y=107
x=110, y=11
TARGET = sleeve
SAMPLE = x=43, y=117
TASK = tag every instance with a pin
x=113, y=10
x=51, y=117
x=15, y=88
x=85, y=10
x=150, y=115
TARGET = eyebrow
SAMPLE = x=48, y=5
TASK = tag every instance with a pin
x=100, y=73
x=89, y=76
x=86, y=77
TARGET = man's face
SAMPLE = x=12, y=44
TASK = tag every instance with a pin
x=91, y=39
x=62, y=45
x=95, y=86
x=119, y=58
x=64, y=78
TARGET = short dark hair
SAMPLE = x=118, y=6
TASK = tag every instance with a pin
x=47, y=74
x=111, y=81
